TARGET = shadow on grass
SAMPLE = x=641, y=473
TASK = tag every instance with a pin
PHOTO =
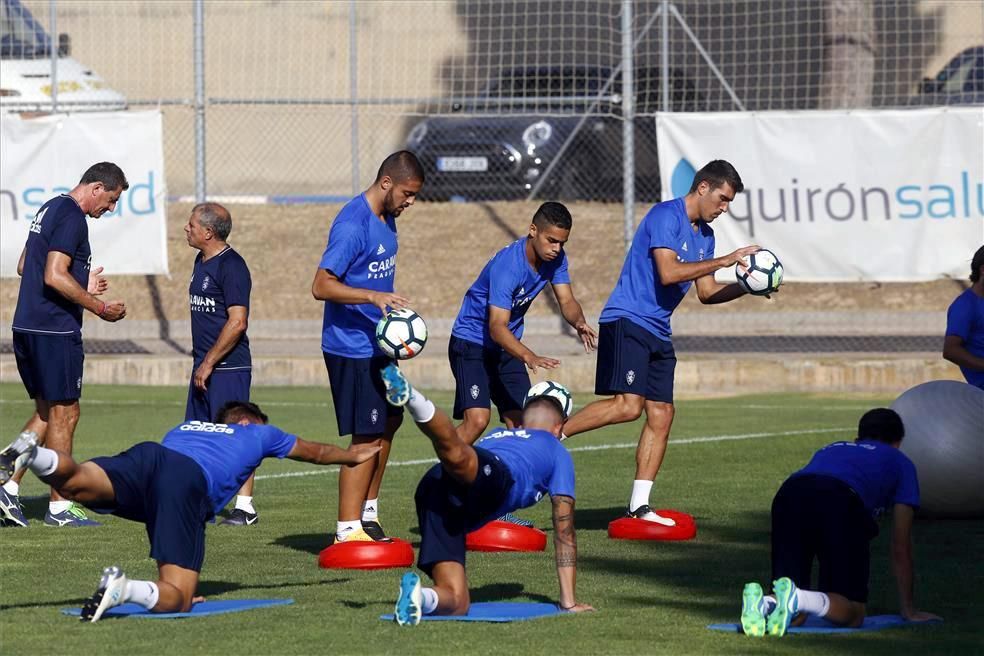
x=45, y=604
x=213, y=588
x=312, y=543
x=505, y=592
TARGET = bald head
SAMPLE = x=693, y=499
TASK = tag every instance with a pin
x=544, y=413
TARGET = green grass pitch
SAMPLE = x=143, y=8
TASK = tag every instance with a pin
x=729, y=458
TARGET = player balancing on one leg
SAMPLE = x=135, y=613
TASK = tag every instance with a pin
x=488, y=360
x=174, y=487
x=827, y=510
x=472, y=485
x=672, y=249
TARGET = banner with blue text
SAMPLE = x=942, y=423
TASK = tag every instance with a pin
x=842, y=196
x=46, y=156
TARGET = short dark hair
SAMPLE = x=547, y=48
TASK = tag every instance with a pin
x=401, y=166
x=215, y=217
x=553, y=402
x=716, y=173
x=233, y=411
x=110, y=175
x=975, y=265
x=553, y=213
x=881, y=425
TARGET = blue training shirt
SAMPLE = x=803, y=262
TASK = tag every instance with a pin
x=639, y=296
x=217, y=284
x=58, y=226
x=880, y=474
x=965, y=319
x=361, y=252
x=509, y=282
x=227, y=453
x=538, y=462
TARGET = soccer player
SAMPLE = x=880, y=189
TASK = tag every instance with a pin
x=355, y=279
x=828, y=510
x=488, y=360
x=472, y=485
x=57, y=284
x=673, y=248
x=964, y=341
x=218, y=297
x=174, y=487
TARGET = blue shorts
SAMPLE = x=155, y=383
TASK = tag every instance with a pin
x=223, y=386
x=167, y=491
x=447, y=509
x=50, y=365
x=631, y=360
x=483, y=376
x=359, y=395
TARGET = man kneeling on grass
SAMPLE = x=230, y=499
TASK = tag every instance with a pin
x=173, y=487
x=471, y=486
x=827, y=510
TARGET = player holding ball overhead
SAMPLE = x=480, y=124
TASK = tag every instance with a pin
x=673, y=248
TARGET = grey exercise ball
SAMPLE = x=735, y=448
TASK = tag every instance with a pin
x=944, y=437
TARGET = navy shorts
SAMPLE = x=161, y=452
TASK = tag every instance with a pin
x=359, y=395
x=447, y=509
x=50, y=365
x=167, y=491
x=822, y=517
x=631, y=360
x=223, y=386
x=483, y=376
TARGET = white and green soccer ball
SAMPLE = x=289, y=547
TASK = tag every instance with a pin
x=401, y=334
x=764, y=273
x=555, y=391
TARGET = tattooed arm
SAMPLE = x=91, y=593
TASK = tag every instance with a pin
x=565, y=547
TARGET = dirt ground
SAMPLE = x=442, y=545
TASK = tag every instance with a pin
x=443, y=246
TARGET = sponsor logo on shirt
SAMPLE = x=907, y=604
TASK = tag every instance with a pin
x=380, y=250
x=201, y=303
x=382, y=268
x=36, y=223
x=206, y=427
x=684, y=247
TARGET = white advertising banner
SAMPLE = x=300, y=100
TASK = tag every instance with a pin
x=842, y=196
x=44, y=157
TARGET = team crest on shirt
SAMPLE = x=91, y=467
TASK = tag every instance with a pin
x=700, y=255
x=78, y=383
x=374, y=416
x=205, y=283
x=474, y=391
x=487, y=470
x=630, y=376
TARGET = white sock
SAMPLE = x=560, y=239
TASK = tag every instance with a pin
x=420, y=408
x=144, y=593
x=768, y=604
x=245, y=503
x=429, y=600
x=814, y=603
x=342, y=529
x=563, y=436
x=12, y=488
x=45, y=462
x=640, y=494
x=370, y=510
x=55, y=507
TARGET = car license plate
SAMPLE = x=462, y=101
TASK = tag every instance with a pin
x=463, y=164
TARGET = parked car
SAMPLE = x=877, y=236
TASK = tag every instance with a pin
x=484, y=156
x=961, y=82
x=25, y=69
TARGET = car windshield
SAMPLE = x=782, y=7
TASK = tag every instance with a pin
x=21, y=37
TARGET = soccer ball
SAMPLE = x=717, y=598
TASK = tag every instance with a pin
x=555, y=391
x=401, y=334
x=764, y=273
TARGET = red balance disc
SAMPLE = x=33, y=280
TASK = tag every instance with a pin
x=366, y=555
x=630, y=528
x=505, y=536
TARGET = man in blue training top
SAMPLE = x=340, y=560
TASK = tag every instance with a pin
x=355, y=279
x=672, y=249
x=472, y=485
x=964, y=341
x=218, y=296
x=488, y=360
x=174, y=487
x=828, y=511
x=57, y=284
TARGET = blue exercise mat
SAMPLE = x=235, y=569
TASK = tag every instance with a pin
x=198, y=610
x=495, y=611
x=818, y=625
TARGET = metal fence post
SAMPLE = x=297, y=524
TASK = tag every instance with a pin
x=354, y=93
x=664, y=63
x=199, y=48
x=53, y=41
x=628, y=124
